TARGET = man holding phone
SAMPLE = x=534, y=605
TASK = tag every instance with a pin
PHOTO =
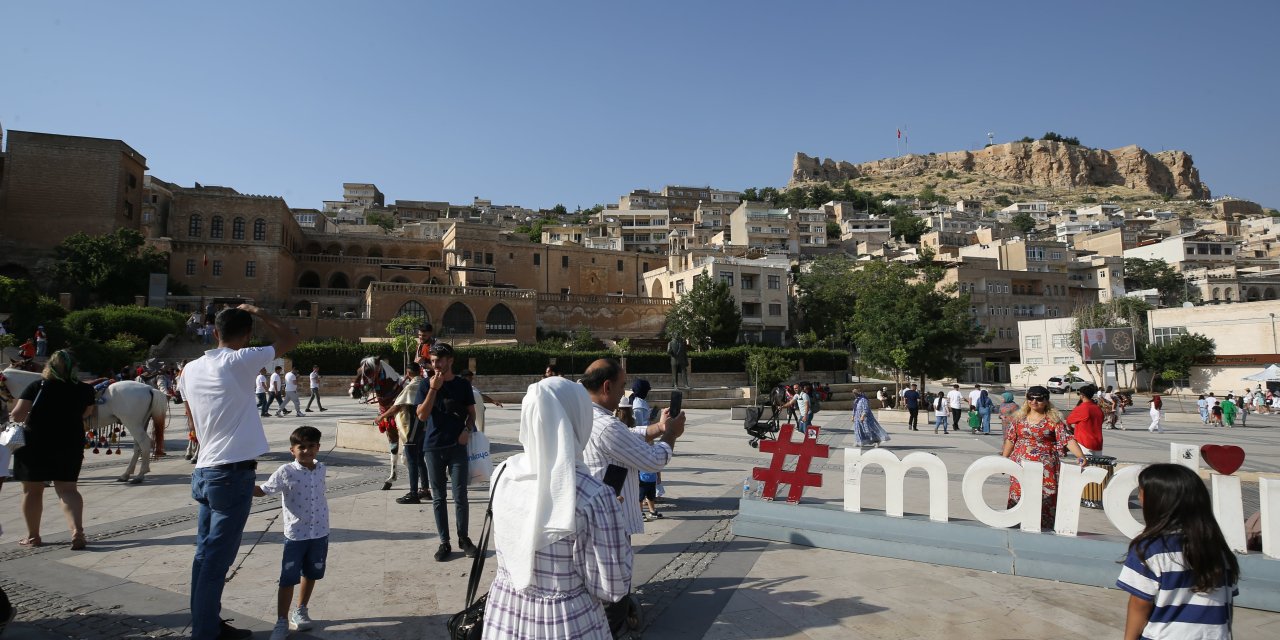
x=619, y=452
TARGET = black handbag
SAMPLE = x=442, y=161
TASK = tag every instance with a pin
x=469, y=623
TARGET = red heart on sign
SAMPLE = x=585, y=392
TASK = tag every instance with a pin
x=1223, y=458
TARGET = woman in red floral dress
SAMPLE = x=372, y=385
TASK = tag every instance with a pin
x=1037, y=432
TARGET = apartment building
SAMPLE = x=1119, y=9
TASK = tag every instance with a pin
x=1021, y=254
x=759, y=286
x=793, y=231
x=642, y=230
x=1198, y=249
x=999, y=299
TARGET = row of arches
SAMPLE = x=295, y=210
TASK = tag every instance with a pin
x=340, y=280
x=356, y=250
x=458, y=320
x=217, y=230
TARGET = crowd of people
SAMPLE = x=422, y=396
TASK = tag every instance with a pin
x=588, y=478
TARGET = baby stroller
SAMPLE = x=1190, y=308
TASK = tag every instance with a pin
x=757, y=426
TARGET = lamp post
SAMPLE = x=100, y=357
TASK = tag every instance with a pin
x=1273, y=334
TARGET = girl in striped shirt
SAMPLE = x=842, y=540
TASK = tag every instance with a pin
x=1180, y=574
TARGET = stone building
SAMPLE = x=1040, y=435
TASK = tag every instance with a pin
x=759, y=286
x=52, y=186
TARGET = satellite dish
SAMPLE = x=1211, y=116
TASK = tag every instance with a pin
x=1187, y=305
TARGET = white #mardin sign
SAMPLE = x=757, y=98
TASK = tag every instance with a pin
x=1227, y=501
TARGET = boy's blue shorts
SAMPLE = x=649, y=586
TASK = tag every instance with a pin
x=303, y=558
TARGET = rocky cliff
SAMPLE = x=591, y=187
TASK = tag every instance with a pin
x=1040, y=163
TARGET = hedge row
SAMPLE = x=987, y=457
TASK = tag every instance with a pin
x=337, y=357
x=105, y=323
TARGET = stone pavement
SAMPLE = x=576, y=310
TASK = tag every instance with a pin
x=695, y=579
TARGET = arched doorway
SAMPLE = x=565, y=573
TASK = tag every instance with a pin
x=1269, y=294
x=375, y=252
x=433, y=254
x=1253, y=295
x=309, y=280
x=339, y=280
x=363, y=283
x=657, y=289
x=458, y=320
x=314, y=247
x=354, y=250
x=500, y=321
x=334, y=249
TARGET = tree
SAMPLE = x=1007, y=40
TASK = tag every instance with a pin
x=820, y=195
x=380, y=219
x=559, y=210
x=403, y=331
x=707, y=316
x=1023, y=222
x=768, y=369
x=825, y=295
x=833, y=230
x=908, y=226
x=1028, y=372
x=903, y=320
x=750, y=195
x=1158, y=274
x=1002, y=200
x=110, y=268
x=1173, y=360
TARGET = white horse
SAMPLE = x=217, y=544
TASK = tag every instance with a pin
x=128, y=403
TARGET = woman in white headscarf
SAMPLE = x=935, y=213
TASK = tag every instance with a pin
x=562, y=548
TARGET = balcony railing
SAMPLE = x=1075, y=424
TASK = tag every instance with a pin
x=365, y=260
x=309, y=292
x=451, y=290
x=593, y=299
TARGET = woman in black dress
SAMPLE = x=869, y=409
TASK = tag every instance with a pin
x=54, y=409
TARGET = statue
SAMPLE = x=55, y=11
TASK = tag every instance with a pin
x=679, y=353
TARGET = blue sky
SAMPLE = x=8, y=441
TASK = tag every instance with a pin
x=538, y=103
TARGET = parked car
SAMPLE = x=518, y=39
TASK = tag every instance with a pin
x=1063, y=384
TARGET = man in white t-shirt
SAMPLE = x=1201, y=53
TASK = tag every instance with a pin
x=260, y=389
x=277, y=391
x=955, y=402
x=975, y=396
x=291, y=391
x=315, y=389
x=219, y=402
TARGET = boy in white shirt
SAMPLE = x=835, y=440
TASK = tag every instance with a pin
x=306, y=528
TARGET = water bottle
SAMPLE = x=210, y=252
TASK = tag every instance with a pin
x=746, y=488
x=760, y=489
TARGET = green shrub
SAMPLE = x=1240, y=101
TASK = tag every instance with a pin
x=104, y=323
x=769, y=368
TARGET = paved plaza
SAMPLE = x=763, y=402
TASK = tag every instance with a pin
x=694, y=577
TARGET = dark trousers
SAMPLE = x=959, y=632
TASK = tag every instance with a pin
x=415, y=459
x=450, y=462
x=913, y=417
x=263, y=403
x=315, y=397
x=955, y=418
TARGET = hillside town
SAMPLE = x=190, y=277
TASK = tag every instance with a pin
x=493, y=274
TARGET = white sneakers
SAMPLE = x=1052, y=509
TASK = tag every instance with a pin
x=298, y=621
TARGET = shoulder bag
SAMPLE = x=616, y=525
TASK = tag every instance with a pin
x=469, y=623
x=14, y=434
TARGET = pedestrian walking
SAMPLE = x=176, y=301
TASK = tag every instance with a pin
x=955, y=402
x=911, y=398
x=866, y=429
x=940, y=411
x=1229, y=411
x=301, y=487
x=315, y=389
x=291, y=391
x=1156, y=414
x=277, y=391
x=42, y=342
x=263, y=392
x=1202, y=405
x=985, y=407
x=218, y=401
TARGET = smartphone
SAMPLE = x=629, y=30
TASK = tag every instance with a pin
x=677, y=398
x=614, y=477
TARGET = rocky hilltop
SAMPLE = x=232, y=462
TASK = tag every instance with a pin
x=1040, y=163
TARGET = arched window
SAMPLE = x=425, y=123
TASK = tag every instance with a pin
x=309, y=280
x=237, y=229
x=458, y=320
x=415, y=309
x=500, y=321
x=339, y=281
x=193, y=227
x=259, y=230
x=215, y=227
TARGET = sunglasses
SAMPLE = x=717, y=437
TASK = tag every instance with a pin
x=1038, y=398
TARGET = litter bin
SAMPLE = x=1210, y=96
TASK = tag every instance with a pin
x=1092, y=495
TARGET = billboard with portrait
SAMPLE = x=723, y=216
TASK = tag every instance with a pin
x=1097, y=345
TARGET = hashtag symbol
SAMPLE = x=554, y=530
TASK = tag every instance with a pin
x=799, y=477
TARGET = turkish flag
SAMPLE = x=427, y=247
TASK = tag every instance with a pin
x=899, y=134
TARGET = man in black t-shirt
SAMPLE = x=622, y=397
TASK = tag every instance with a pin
x=911, y=398
x=448, y=402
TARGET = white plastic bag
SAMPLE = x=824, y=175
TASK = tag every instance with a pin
x=479, y=465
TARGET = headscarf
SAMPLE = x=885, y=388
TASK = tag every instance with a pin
x=1008, y=396
x=536, y=496
x=60, y=367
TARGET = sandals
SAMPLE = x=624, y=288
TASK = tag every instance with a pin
x=33, y=541
x=78, y=542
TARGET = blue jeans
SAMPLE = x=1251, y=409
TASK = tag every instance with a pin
x=453, y=461
x=985, y=417
x=42, y=348
x=940, y=422
x=225, y=498
x=262, y=403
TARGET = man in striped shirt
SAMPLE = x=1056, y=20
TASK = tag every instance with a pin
x=612, y=443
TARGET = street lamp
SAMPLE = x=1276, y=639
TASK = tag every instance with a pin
x=1273, y=334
